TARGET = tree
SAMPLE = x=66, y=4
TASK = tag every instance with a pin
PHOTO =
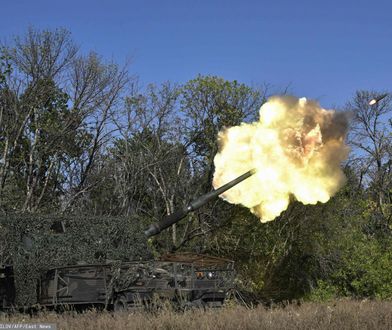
x=149, y=160
x=5, y=69
x=49, y=138
x=55, y=107
x=96, y=91
x=166, y=148
x=209, y=104
x=371, y=138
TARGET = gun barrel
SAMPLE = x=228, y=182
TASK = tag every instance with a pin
x=171, y=219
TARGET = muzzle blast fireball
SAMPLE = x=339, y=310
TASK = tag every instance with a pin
x=295, y=150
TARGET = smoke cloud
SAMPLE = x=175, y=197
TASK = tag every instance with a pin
x=296, y=148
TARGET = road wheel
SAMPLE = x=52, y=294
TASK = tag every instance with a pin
x=120, y=304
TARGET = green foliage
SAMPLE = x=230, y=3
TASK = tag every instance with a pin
x=323, y=292
x=366, y=269
x=46, y=135
x=211, y=103
x=5, y=68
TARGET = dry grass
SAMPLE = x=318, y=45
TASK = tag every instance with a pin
x=337, y=315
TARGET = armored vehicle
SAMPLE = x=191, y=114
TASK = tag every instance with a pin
x=187, y=280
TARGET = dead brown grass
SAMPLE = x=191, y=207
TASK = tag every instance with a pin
x=336, y=315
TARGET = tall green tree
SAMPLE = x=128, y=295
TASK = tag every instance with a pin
x=209, y=104
x=56, y=106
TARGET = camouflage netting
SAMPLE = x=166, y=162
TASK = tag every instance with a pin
x=33, y=244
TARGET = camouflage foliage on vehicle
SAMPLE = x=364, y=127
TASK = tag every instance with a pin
x=37, y=243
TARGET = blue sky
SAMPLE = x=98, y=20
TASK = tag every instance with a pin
x=322, y=49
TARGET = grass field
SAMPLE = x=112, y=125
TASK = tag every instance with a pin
x=335, y=315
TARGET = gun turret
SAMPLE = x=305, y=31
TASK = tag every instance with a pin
x=173, y=218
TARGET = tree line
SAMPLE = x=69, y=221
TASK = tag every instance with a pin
x=79, y=136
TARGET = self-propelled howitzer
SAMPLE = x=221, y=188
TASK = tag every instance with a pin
x=173, y=218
